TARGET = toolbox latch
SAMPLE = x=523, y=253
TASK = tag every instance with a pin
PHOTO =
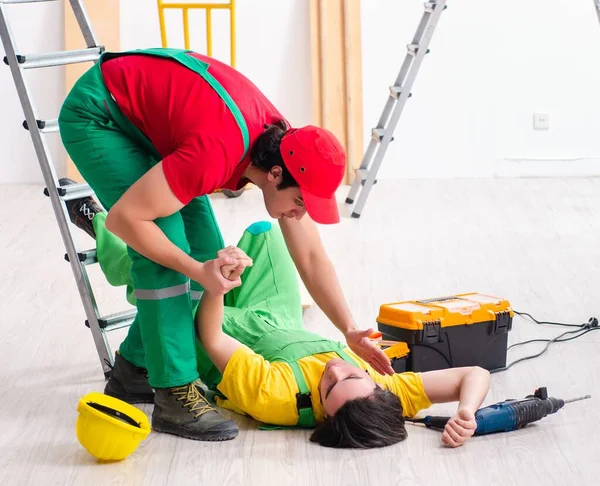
x=503, y=323
x=431, y=332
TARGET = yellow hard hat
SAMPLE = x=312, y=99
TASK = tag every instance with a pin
x=110, y=429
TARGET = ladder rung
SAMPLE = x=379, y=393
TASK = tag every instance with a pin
x=396, y=91
x=86, y=257
x=8, y=2
x=31, y=61
x=431, y=6
x=45, y=126
x=378, y=133
x=116, y=321
x=362, y=174
x=414, y=48
x=73, y=191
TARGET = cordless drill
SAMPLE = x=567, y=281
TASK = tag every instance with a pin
x=508, y=415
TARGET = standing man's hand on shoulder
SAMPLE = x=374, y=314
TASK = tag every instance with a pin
x=359, y=341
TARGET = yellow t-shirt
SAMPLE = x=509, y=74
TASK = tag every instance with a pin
x=267, y=391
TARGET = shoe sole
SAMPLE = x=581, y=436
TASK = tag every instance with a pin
x=208, y=436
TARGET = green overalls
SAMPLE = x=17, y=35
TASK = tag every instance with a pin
x=112, y=154
x=264, y=313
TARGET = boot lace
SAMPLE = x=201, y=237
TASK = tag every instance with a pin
x=192, y=398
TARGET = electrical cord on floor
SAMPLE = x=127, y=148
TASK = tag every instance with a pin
x=585, y=331
x=591, y=325
x=525, y=314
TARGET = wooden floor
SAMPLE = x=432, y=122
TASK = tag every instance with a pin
x=535, y=242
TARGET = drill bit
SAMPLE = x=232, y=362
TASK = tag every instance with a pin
x=578, y=399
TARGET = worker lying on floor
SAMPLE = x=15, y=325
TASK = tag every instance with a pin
x=255, y=352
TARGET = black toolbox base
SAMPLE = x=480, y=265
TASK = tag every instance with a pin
x=468, y=345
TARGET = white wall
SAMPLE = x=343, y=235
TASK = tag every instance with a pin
x=37, y=28
x=491, y=66
x=276, y=57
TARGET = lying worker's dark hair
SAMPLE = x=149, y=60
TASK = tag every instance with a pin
x=265, y=153
x=364, y=423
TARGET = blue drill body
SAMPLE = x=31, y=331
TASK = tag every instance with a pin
x=507, y=415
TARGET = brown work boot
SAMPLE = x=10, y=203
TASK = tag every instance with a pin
x=185, y=411
x=82, y=211
x=129, y=383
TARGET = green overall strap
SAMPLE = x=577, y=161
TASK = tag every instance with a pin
x=346, y=357
x=201, y=68
x=306, y=416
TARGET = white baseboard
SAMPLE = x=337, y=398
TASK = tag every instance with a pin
x=567, y=166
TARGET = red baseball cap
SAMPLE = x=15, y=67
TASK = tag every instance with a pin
x=317, y=161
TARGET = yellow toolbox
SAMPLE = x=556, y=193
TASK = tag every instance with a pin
x=460, y=330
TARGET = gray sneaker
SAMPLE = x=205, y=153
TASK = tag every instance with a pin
x=129, y=383
x=185, y=411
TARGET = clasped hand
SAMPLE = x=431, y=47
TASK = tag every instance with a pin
x=223, y=273
x=239, y=261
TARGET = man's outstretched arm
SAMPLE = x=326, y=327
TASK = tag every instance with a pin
x=468, y=386
x=318, y=274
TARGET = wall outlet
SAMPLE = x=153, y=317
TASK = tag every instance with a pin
x=541, y=121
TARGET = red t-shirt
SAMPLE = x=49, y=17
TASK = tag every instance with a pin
x=187, y=121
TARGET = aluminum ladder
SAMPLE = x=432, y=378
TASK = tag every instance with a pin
x=38, y=129
x=382, y=134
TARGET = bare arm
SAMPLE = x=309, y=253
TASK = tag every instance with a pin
x=316, y=270
x=209, y=328
x=468, y=386
x=318, y=274
x=132, y=219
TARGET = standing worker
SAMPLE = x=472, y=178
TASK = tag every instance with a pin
x=154, y=132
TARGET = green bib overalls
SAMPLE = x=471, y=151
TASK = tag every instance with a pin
x=112, y=154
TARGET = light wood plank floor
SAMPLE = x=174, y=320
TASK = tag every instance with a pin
x=535, y=242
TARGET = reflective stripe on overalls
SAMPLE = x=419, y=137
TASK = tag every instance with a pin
x=289, y=346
